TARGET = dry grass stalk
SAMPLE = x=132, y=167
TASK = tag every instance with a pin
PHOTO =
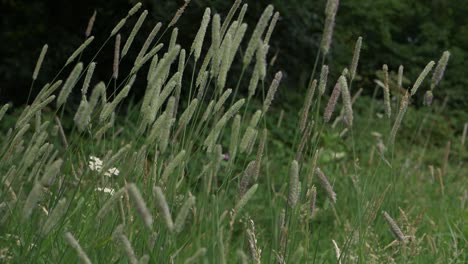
x=465, y=131
x=178, y=14
x=337, y=251
x=280, y=118
x=446, y=157
x=441, y=181
x=255, y=251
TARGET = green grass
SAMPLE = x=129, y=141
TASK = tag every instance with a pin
x=419, y=181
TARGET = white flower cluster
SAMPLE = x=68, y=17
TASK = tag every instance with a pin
x=106, y=190
x=95, y=164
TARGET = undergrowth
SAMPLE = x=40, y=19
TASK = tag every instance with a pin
x=196, y=173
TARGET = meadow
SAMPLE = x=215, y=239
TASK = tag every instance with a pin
x=213, y=171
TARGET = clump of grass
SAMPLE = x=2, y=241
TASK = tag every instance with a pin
x=222, y=149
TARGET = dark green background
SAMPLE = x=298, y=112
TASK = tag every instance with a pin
x=394, y=31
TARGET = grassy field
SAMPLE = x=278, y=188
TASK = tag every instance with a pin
x=198, y=172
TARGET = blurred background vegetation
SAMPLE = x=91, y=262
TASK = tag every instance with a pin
x=395, y=32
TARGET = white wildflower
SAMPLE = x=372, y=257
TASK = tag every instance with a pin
x=95, y=164
x=106, y=190
x=112, y=171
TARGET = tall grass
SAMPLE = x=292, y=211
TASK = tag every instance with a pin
x=215, y=177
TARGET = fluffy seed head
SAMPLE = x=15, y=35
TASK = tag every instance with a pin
x=91, y=21
x=326, y=185
x=428, y=97
x=51, y=172
x=176, y=162
x=71, y=240
x=35, y=196
x=330, y=12
x=89, y=75
x=230, y=15
x=222, y=100
x=178, y=14
x=253, y=82
x=163, y=207
x=183, y=214
x=118, y=27
x=140, y=205
x=245, y=198
x=440, y=69
x=52, y=220
x=355, y=61
x=115, y=66
x=257, y=34
x=69, y=84
x=133, y=33
x=293, y=195
x=149, y=40
x=421, y=77
x=134, y=9
x=346, y=100
x=272, y=91
x=400, y=76
x=188, y=113
x=3, y=110
x=233, y=143
x=198, y=41
x=39, y=61
x=120, y=237
x=271, y=27
x=394, y=227
x=224, y=68
x=215, y=44
x=323, y=79
x=399, y=118
x=332, y=102
x=79, y=50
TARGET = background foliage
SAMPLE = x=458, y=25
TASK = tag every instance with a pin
x=394, y=32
